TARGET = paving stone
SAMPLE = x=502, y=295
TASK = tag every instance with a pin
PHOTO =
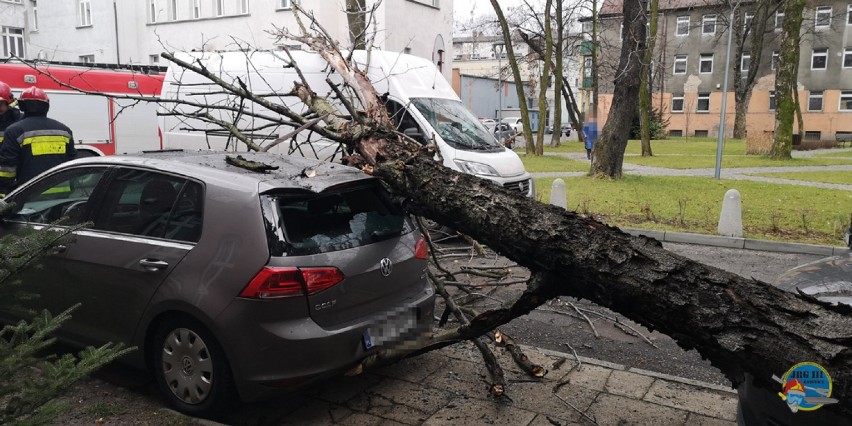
x=402, y=401
x=415, y=369
x=343, y=388
x=590, y=376
x=313, y=413
x=699, y=420
x=536, y=357
x=464, y=378
x=545, y=420
x=539, y=398
x=474, y=412
x=621, y=411
x=628, y=384
x=363, y=419
x=693, y=399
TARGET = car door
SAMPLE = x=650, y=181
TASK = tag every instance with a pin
x=54, y=202
x=146, y=223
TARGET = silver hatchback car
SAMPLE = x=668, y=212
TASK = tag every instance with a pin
x=227, y=278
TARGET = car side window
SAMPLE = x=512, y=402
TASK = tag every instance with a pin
x=149, y=204
x=64, y=195
x=404, y=120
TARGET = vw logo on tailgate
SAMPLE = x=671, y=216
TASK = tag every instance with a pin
x=386, y=266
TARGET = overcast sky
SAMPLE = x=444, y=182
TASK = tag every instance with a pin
x=463, y=8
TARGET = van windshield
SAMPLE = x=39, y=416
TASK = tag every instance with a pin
x=456, y=125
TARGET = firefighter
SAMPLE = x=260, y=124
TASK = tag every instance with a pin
x=33, y=144
x=8, y=112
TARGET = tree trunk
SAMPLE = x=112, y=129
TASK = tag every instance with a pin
x=739, y=324
x=557, y=76
x=546, y=59
x=754, y=33
x=516, y=73
x=356, y=15
x=786, y=80
x=573, y=110
x=645, y=84
x=608, y=152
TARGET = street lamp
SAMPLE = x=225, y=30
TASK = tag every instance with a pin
x=498, y=51
x=722, y=114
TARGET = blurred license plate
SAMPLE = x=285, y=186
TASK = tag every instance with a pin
x=390, y=328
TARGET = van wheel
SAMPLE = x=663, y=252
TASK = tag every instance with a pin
x=191, y=370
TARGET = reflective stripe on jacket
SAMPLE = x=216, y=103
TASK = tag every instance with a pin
x=41, y=143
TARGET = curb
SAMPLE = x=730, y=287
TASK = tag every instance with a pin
x=738, y=243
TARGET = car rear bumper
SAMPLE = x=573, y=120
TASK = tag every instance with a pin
x=272, y=357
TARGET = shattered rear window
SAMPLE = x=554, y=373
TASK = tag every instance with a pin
x=338, y=219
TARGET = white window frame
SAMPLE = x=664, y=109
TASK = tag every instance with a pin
x=678, y=59
x=86, y=59
x=152, y=10
x=703, y=58
x=153, y=59
x=285, y=4
x=682, y=103
x=814, y=95
x=702, y=96
x=825, y=11
x=220, y=7
x=244, y=7
x=816, y=53
x=743, y=59
x=173, y=10
x=776, y=58
x=681, y=20
x=747, y=19
x=196, y=9
x=849, y=14
x=13, y=42
x=34, y=13
x=773, y=105
x=707, y=20
x=848, y=95
x=84, y=9
x=779, y=20
x=847, y=53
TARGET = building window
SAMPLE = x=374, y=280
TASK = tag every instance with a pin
x=845, y=100
x=676, y=133
x=815, y=101
x=220, y=7
x=284, y=4
x=682, y=25
x=822, y=18
x=702, y=133
x=244, y=7
x=747, y=18
x=587, y=67
x=34, y=8
x=85, y=11
x=680, y=64
x=849, y=14
x=772, y=100
x=708, y=25
x=677, y=103
x=173, y=13
x=196, y=9
x=819, y=59
x=813, y=136
x=153, y=59
x=87, y=59
x=152, y=10
x=13, y=42
x=703, y=104
x=705, y=65
x=745, y=62
x=779, y=20
x=775, y=59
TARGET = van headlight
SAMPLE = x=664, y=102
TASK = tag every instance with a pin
x=474, y=168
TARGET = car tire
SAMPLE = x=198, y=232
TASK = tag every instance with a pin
x=190, y=368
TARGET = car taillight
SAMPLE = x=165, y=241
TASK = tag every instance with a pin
x=277, y=283
x=421, y=249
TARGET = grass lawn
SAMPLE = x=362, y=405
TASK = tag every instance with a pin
x=550, y=163
x=692, y=204
x=847, y=154
x=840, y=177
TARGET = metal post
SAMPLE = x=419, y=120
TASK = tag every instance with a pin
x=722, y=114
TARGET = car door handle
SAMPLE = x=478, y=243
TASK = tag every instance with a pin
x=153, y=264
x=59, y=249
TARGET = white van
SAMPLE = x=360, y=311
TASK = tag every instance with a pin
x=419, y=99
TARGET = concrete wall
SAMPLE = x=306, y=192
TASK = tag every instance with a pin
x=480, y=95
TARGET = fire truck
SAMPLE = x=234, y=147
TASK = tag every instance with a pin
x=87, y=98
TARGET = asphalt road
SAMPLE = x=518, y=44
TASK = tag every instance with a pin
x=556, y=331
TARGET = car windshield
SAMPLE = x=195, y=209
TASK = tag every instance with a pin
x=456, y=125
x=338, y=219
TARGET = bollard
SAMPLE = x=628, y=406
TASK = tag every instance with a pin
x=731, y=218
x=558, y=195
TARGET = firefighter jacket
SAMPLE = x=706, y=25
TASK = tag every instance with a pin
x=32, y=146
x=11, y=116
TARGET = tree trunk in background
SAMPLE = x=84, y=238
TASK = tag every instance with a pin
x=516, y=73
x=573, y=110
x=356, y=15
x=786, y=80
x=754, y=33
x=608, y=152
x=545, y=77
x=557, y=76
x=645, y=84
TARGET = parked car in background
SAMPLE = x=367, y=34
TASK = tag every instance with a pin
x=566, y=130
x=503, y=132
x=829, y=280
x=226, y=279
x=515, y=122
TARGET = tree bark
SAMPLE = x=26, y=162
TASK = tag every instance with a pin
x=546, y=59
x=356, y=15
x=786, y=80
x=645, y=84
x=754, y=34
x=608, y=151
x=557, y=76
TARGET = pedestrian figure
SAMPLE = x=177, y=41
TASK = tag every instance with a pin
x=9, y=114
x=590, y=133
x=34, y=144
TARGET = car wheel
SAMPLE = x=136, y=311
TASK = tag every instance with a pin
x=191, y=370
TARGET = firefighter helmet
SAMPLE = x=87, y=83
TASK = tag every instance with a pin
x=5, y=93
x=34, y=94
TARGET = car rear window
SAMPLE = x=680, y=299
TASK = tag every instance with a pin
x=338, y=219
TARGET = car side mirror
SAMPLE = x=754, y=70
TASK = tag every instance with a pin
x=413, y=133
